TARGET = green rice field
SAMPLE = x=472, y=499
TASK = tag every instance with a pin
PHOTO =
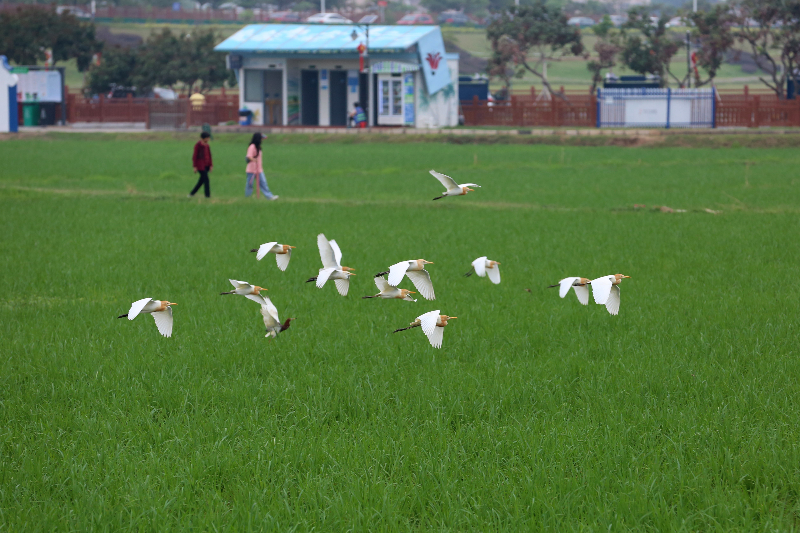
x=682, y=413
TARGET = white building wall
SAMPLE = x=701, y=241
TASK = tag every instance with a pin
x=324, y=97
x=441, y=109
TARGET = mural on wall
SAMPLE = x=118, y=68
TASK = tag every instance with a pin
x=441, y=108
x=293, y=96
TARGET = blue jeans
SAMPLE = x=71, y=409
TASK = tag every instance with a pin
x=262, y=182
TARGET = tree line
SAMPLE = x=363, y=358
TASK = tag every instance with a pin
x=186, y=62
x=524, y=38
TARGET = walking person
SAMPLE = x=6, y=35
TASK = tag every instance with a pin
x=255, y=170
x=201, y=161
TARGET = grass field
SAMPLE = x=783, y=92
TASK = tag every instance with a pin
x=681, y=413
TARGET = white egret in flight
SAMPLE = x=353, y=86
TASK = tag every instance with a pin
x=579, y=285
x=432, y=324
x=247, y=290
x=159, y=309
x=271, y=320
x=415, y=270
x=332, y=267
x=389, y=292
x=283, y=253
x=482, y=267
x=453, y=188
x=606, y=291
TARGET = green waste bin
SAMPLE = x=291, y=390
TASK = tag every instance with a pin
x=30, y=114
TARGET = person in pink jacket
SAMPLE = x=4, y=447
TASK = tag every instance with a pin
x=255, y=170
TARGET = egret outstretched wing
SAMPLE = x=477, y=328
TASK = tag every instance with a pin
x=381, y=283
x=337, y=253
x=422, y=281
x=264, y=249
x=612, y=304
x=342, y=285
x=480, y=266
x=448, y=182
x=396, y=273
x=582, y=292
x=470, y=185
x=494, y=274
x=164, y=321
x=238, y=284
x=601, y=288
x=326, y=252
x=323, y=276
x=268, y=308
x=137, y=306
x=256, y=298
x=283, y=259
x=565, y=284
x=428, y=325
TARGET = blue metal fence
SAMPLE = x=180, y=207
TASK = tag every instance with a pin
x=655, y=108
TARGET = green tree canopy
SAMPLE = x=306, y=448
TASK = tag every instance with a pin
x=771, y=28
x=524, y=38
x=713, y=35
x=27, y=31
x=648, y=48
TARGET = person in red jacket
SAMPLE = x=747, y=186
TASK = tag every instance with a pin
x=201, y=161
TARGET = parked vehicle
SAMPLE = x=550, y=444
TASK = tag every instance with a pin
x=581, y=22
x=118, y=91
x=415, y=18
x=456, y=18
x=328, y=18
x=74, y=10
x=284, y=16
x=368, y=19
x=676, y=22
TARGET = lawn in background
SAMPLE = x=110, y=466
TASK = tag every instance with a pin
x=680, y=413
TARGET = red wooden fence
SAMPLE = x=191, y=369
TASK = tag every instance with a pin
x=743, y=110
x=217, y=109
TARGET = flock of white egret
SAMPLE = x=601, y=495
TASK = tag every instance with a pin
x=605, y=288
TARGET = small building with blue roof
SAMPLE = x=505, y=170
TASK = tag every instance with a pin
x=313, y=75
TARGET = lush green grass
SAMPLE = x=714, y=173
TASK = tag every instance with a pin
x=680, y=413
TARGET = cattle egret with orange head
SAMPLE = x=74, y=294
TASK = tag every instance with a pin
x=159, y=309
x=453, y=188
x=253, y=292
x=579, y=285
x=283, y=253
x=484, y=267
x=432, y=324
x=606, y=291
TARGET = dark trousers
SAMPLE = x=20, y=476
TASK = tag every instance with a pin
x=203, y=180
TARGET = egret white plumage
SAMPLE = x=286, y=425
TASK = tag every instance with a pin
x=271, y=320
x=332, y=267
x=453, y=188
x=253, y=292
x=606, y=291
x=432, y=324
x=415, y=270
x=483, y=267
x=159, y=309
x=389, y=292
x=579, y=285
x=283, y=253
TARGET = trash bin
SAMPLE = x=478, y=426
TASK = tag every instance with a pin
x=245, y=117
x=47, y=114
x=30, y=114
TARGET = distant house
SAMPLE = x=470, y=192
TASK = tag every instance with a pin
x=309, y=75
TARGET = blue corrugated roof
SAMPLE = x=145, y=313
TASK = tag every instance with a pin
x=321, y=38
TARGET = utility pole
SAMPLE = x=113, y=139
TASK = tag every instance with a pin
x=694, y=6
x=322, y=6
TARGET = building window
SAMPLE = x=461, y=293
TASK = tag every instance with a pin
x=253, y=85
x=397, y=97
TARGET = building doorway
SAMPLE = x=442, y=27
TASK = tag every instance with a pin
x=338, y=98
x=390, y=100
x=309, y=97
x=273, y=97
